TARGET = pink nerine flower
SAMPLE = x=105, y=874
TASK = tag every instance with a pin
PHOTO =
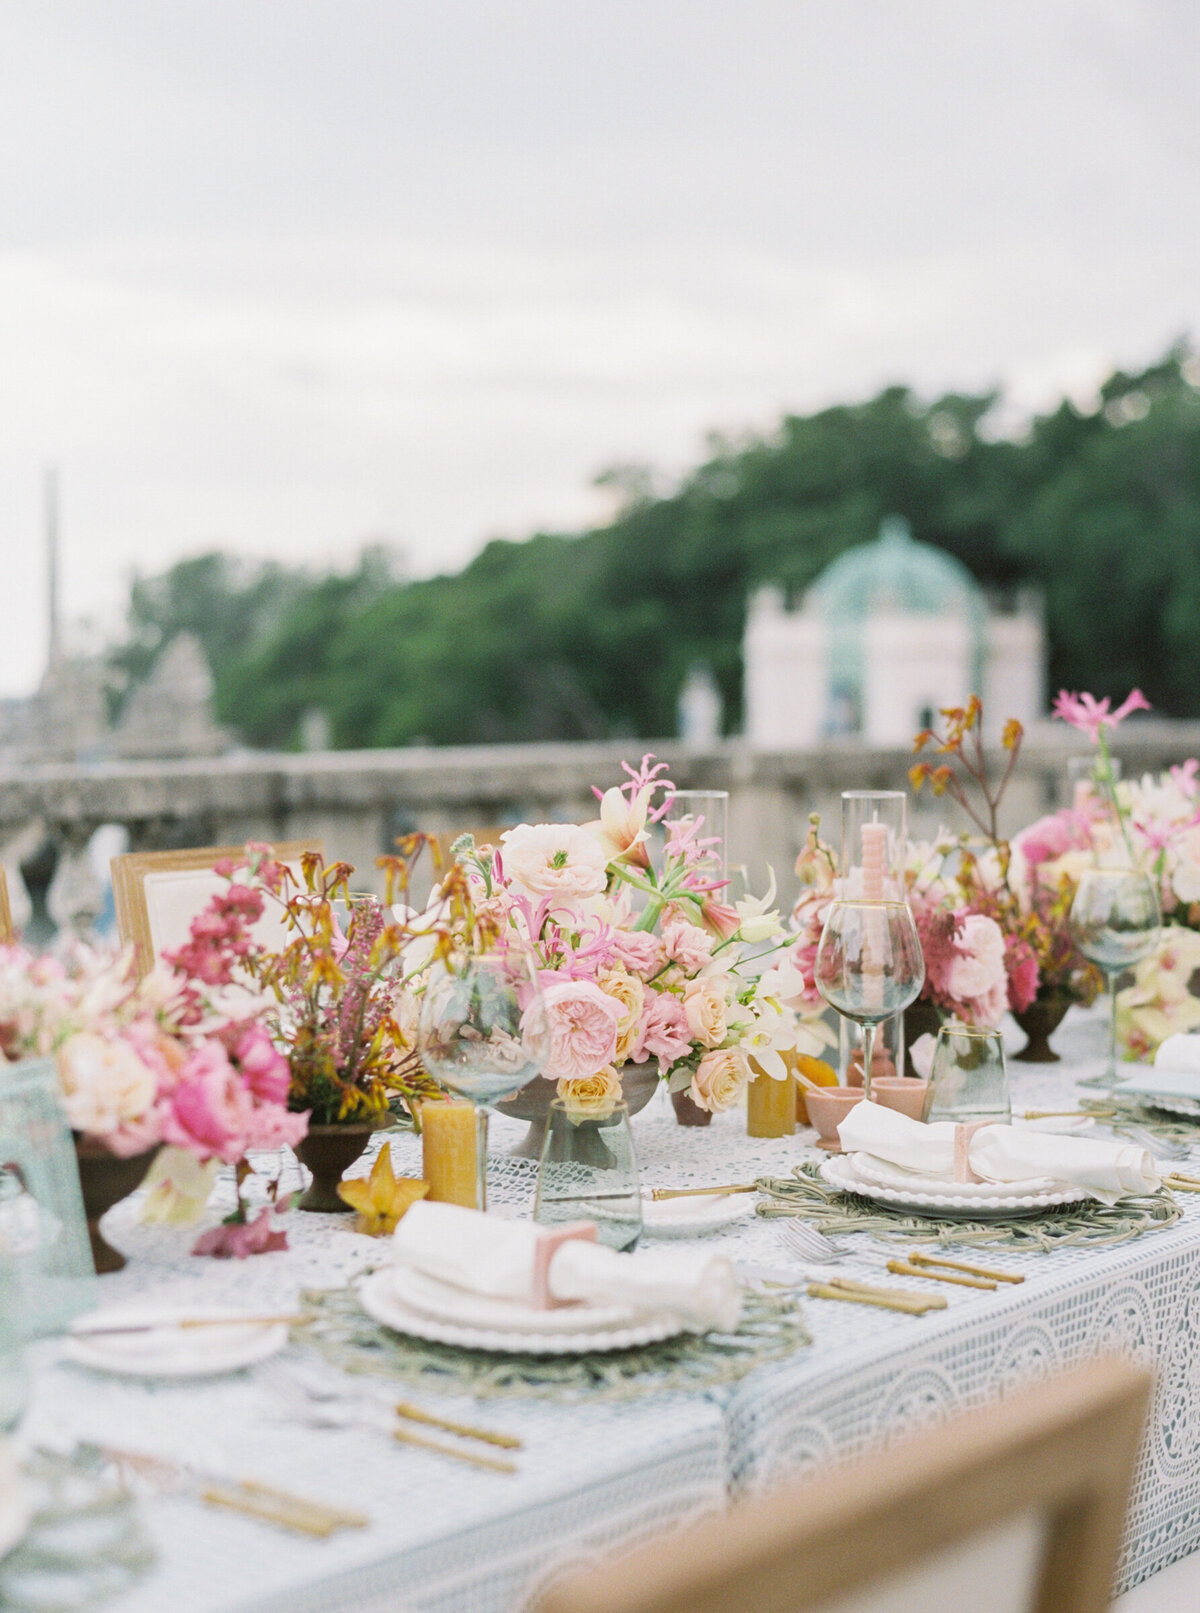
x=582, y=1023
x=1089, y=715
x=663, y=1033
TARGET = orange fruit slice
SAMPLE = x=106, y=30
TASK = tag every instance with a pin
x=816, y=1070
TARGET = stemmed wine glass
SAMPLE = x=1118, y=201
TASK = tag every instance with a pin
x=482, y=1032
x=869, y=966
x=1115, y=918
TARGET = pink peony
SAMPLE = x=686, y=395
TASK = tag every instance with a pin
x=663, y=1033
x=687, y=945
x=210, y=1109
x=976, y=977
x=268, y=1071
x=582, y=1026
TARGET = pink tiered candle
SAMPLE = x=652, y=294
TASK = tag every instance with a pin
x=874, y=852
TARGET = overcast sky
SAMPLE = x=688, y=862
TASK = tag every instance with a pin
x=285, y=276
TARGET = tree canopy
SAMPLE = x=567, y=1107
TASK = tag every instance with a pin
x=590, y=635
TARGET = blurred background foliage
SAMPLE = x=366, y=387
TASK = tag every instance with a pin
x=589, y=635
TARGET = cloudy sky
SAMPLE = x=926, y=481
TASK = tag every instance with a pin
x=285, y=276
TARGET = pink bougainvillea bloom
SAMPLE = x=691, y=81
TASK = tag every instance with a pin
x=1089, y=715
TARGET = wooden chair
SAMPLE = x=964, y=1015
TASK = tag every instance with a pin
x=157, y=894
x=1016, y=1507
x=7, y=933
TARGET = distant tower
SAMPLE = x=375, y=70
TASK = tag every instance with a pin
x=54, y=637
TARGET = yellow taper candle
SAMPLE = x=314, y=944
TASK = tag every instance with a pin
x=448, y=1153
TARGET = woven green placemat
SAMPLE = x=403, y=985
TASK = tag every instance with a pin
x=806, y=1195
x=1131, y=1111
x=772, y=1326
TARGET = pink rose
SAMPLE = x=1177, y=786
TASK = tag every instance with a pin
x=641, y=953
x=663, y=1033
x=267, y=1069
x=582, y=1025
x=687, y=945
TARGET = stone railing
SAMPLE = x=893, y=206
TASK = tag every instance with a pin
x=359, y=801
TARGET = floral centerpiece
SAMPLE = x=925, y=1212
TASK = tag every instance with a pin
x=642, y=960
x=1152, y=823
x=170, y=1058
x=332, y=998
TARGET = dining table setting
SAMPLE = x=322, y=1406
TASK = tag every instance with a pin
x=447, y=1245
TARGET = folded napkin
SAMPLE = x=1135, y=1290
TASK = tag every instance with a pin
x=533, y=1265
x=1108, y=1171
x=1175, y=1072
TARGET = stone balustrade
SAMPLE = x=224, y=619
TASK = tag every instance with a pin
x=359, y=801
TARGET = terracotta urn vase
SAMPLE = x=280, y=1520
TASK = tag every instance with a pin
x=688, y=1112
x=329, y=1151
x=1039, y=1022
x=532, y=1103
x=106, y=1179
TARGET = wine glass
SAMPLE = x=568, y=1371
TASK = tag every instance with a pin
x=869, y=966
x=482, y=1032
x=1115, y=920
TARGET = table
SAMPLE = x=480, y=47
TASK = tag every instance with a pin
x=598, y=1475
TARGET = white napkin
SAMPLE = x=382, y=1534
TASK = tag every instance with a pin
x=1107, y=1170
x=488, y=1255
x=1180, y=1052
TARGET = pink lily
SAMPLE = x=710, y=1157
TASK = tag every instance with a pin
x=1089, y=715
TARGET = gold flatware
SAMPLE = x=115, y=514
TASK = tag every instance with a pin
x=963, y=1265
x=414, y=1414
x=495, y=1464
x=168, y=1323
x=276, y=1506
x=903, y=1269
x=249, y=1496
x=1182, y=1184
x=659, y=1193
x=1098, y=1113
x=886, y=1299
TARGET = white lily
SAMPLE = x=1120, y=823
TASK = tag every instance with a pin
x=758, y=920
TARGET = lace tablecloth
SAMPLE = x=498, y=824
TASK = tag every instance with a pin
x=594, y=1475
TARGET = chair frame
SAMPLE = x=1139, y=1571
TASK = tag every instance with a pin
x=129, y=889
x=7, y=934
x=1065, y=1448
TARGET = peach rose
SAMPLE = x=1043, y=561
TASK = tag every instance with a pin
x=629, y=993
x=705, y=1010
x=105, y=1084
x=720, y=1079
x=592, y=1098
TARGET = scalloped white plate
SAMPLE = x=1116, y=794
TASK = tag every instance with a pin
x=692, y=1217
x=884, y=1174
x=169, y=1352
x=958, y=1204
x=380, y=1298
x=1172, y=1106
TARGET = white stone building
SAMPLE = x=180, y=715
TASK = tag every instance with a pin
x=890, y=632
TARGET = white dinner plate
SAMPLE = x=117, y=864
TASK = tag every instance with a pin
x=16, y=1508
x=884, y=1174
x=691, y=1217
x=446, y=1303
x=167, y=1352
x=1172, y=1106
x=957, y=1201
x=381, y=1297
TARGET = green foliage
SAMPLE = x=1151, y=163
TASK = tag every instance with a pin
x=581, y=637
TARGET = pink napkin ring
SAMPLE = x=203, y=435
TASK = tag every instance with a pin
x=549, y=1242
x=962, y=1150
